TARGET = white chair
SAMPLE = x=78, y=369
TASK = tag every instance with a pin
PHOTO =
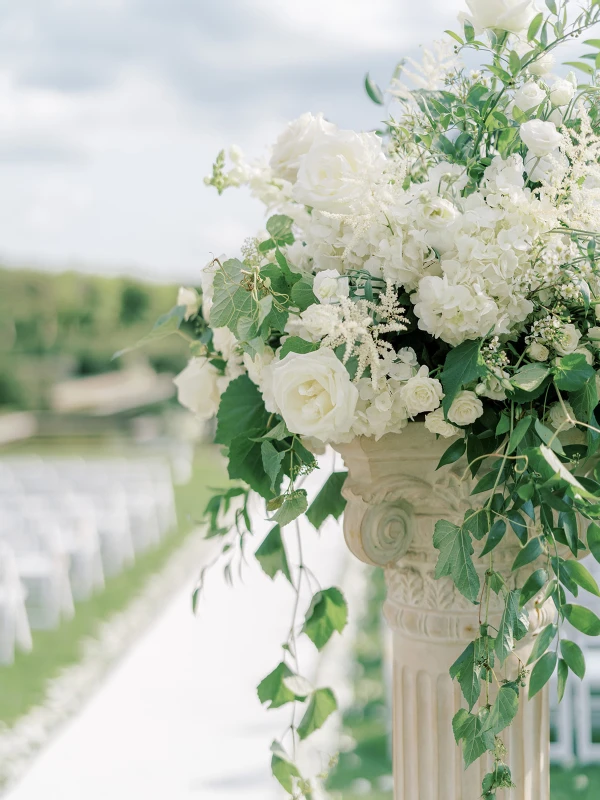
x=14, y=625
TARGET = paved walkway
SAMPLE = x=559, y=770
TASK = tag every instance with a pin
x=178, y=717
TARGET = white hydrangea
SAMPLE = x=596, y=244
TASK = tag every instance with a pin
x=329, y=286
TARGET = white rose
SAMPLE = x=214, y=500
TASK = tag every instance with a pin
x=540, y=137
x=529, y=96
x=338, y=172
x=255, y=366
x=189, y=298
x=558, y=418
x=561, y=92
x=421, y=393
x=548, y=168
x=295, y=141
x=330, y=286
x=538, y=352
x=569, y=340
x=505, y=15
x=436, y=423
x=465, y=409
x=542, y=65
x=199, y=388
x=594, y=336
x=314, y=394
x=437, y=213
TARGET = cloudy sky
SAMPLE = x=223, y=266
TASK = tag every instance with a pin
x=111, y=113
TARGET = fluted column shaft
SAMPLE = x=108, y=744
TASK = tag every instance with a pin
x=395, y=497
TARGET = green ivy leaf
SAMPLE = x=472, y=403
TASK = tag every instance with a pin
x=303, y=295
x=280, y=228
x=533, y=585
x=504, y=709
x=463, y=365
x=469, y=728
x=572, y=372
x=541, y=673
x=294, y=505
x=542, y=642
x=242, y=409
x=329, y=501
x=530, y=377
x=518, y=433
x=582, y=618
x=453, y=453
x=573, y=655
x=232, y=303
x=271, y=459
x=272, y=689
x=327, y=613
x=513, y=626
x=467, y=675
x=495, y=536
x=455, y=558
x=322, y=704
x=271, y=554
x=295, y=344
x=245, y=462
x=476, y=522
x=283, y=769
x=532, y=550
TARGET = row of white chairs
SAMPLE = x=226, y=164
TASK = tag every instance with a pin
x=65, y=526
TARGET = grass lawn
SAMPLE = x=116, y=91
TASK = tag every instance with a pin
x=365, y=763
x=22, y=685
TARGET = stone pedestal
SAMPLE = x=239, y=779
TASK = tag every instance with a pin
x=395, y=497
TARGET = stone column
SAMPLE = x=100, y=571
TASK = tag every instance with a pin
x=395, y=497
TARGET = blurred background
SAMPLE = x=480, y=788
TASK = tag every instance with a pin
x=111, y=114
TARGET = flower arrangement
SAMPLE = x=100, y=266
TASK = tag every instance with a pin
x=443, y=269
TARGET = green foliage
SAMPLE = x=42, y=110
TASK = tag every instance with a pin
x=329, y=501
x=271, y=554
x=233, y=302
x=242, y=409
x=320, y=707
x=455, y=559
x=293, y=506
x=272, y=689
x=327, y=613
x=463, y=365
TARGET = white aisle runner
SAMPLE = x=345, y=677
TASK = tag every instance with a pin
x=178, y=717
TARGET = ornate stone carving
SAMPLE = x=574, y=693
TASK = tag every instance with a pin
x=395, y=496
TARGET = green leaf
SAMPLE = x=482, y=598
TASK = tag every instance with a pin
x=232, y=302
x=518, y=433
x=463, y=365
x=573, y=655
x=593, y=540
x=561, y=473
x=455, y=558
x=271, y=554
x=241, y=409
x=536, y=24
x=294, y=505
x=549, y=437
x=504, y=709
x=541, y=673
x=164, y=326
x=563, y=674
x=593, y=43
x=322, y=705
x=533, y=585
x=469, y=728
x=582, y=618
x=572, y=372
x=476, y=522
x=514, y=61
x=513, y=626
x=495, y=536
x=580, y=575
x=329, y=501
x=456, y=37
x=303, y=295
x=373, y=90
x=584, y=404
x=581, y=66
x=245, y=462
x=271, y=458
x=283, y=769
x=280, y=228
x=453, y=453
x=519, y=525
x=327, y=613
x=567, y=520
x=532, y=550
x=467, y=674
x=530, y=377
x=272, y=689
x=294, y=344
x=542, y=642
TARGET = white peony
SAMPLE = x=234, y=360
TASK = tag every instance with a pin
x=436, y=423
x=453, y=312
x=438, y=215
x=562, y=92
x=314, y=395
x=529, y=96
x=538, y=352
x=465, y=409
x=505, y=15
x=330, y=286
x=189, y=298
x=540, y=137
x=339, y=171
x=421, y=393
x=569, y=340
x=199, y=388
x=295, y=141
x=542, y=65
x=559, y=419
